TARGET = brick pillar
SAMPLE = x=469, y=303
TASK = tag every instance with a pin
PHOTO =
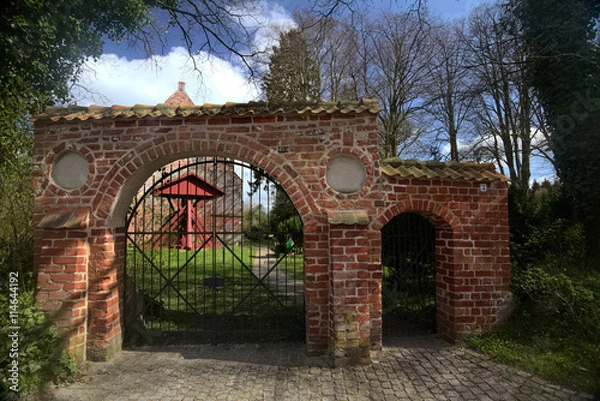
x=316, y=288
x=62, y=256
x=445, y=284
x=349, y=299
x=106, y=286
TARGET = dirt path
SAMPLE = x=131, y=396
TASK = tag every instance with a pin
x=264, y=259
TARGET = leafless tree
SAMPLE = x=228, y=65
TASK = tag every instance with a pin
x=394, y=55
x=447, y=99
x=333, y=49
x=505, y=113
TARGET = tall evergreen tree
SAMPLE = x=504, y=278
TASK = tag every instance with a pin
x=293, y=74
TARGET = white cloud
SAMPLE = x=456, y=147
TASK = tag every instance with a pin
x=117, y=80
x=268, y=19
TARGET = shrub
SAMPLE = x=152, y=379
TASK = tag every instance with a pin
x=41, y=354
x=570, y=304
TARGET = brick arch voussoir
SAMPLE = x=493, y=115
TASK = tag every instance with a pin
x=136, y=166
x=436, y=213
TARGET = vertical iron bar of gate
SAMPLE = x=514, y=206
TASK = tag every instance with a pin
x=212, y=240
x=204, y=255
x=144, y=263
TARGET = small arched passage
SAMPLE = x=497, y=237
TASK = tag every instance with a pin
x=432, y=228
x=409, y=275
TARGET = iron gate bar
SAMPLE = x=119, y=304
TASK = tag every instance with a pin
x=408, y=249
x=258, y=280
x=169, y=282
x=275, y=266
x=225, y=217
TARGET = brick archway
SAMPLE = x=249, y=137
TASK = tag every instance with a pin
x=124, y=179
x=89, y=162
x=447, y=227
x=129, y=172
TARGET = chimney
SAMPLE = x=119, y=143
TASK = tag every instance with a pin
x=179, y=97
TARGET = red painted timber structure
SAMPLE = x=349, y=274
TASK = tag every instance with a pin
x=186, y=195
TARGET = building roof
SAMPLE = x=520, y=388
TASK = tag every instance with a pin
x=190, y=186
x=452, y=170
x=179, y=97
x=229, y=109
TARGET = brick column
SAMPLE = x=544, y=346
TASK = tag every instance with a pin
x=62, y=256
x=349, y=312
x=316, y=288
x=107, y=258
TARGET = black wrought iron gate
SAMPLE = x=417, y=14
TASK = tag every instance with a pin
x=409, y=288
x=214, y=254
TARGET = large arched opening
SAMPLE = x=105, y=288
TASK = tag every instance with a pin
x=214, y=253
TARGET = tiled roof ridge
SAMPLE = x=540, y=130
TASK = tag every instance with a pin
x=75, y=112
x=429, y=169
x=397, y=161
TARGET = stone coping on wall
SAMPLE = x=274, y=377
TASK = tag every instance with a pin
x=347, y=217
x=452, y=170
x=66, y=218
x=229, y=109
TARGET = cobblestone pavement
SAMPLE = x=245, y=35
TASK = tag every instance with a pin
x=423, y=368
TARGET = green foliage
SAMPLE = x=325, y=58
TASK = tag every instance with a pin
x=560, y=298
x=541, y=221
x=41, y=354
x=255, y=221
x=43, y=44
x=293, y=74
x=562, y=36
x=555, y=330
x=16, y=202
x=549, y=276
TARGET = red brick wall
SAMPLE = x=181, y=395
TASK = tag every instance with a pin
x=342, y=262
x=472, y=248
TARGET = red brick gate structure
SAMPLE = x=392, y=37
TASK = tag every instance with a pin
x=89, y=162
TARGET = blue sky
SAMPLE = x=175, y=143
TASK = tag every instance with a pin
x=449, y=9
x=124, y=77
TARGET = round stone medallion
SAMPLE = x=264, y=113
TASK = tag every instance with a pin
x=346, y=173
x=70, y=170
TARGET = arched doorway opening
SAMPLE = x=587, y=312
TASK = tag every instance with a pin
x=409, y=275
x=214, y=253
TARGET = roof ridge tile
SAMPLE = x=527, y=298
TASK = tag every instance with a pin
x=74, y=112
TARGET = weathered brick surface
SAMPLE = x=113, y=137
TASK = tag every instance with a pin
x=81, y=269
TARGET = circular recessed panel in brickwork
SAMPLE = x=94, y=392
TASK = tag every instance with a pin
x=346, y=173
x=70, y=170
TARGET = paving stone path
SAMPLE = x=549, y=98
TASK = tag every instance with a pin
x=419, y=368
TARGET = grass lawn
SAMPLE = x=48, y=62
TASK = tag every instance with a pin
x=209, y=290
x=562, y=346
x=293, y=265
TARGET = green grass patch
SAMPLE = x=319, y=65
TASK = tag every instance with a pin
x=571, y=362
x=555, y=331
x=293, y=265
x=210, y=291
